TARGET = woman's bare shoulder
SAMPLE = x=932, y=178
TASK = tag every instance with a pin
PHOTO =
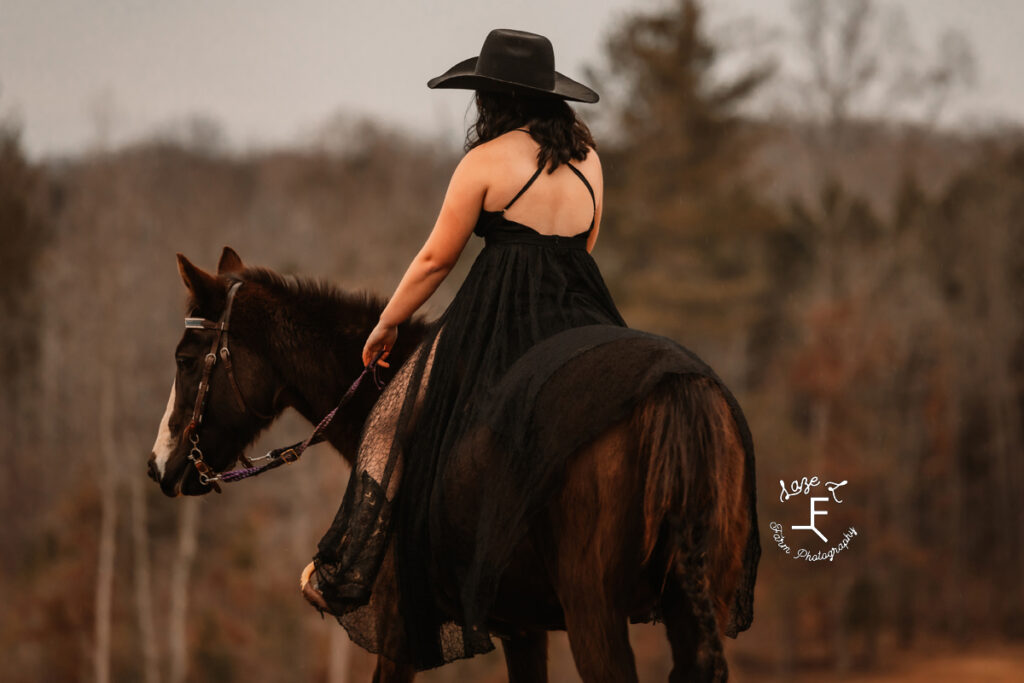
x=476, y=161
x=507, y=155
x=486, y=153
x=592, y=159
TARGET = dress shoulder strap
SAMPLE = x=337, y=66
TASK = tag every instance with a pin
x=586, y=182
x=525, y=187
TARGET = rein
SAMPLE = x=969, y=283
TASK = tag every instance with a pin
x=289, y=454
x=277, y=456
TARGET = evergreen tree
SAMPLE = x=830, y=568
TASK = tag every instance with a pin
x=681, y=217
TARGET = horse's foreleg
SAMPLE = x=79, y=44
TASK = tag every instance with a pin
x=388, y=671
x=526, y=657
x=595, y=534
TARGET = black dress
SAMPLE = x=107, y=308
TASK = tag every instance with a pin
x=390, y=540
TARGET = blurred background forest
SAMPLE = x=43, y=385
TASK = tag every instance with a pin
x=849, y=263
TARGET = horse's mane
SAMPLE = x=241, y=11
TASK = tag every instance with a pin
x=321, y=298
x=307, y=288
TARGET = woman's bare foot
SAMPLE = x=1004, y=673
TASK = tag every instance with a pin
x=309, y=590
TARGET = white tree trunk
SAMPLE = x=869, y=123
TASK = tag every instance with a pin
x=108, y=533
x=181, y=573
x=143, y=583
x=339, y=654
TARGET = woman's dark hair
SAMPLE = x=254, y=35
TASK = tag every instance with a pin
x=562, y=136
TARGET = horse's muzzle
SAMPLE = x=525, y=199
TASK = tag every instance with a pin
x=154, y=473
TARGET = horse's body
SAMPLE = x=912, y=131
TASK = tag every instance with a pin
x=618, y=541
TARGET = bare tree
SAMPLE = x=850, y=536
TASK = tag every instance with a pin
x=143, y=582
x=103, y=109
x=339, y=656
x=863, y=62
x=181, y=575
x=108, y=532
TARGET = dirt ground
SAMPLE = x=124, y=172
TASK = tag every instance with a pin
x=938, y=664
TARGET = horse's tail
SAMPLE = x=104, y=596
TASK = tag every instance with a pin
x=693, y=500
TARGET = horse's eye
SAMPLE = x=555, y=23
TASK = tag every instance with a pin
x=185, y=362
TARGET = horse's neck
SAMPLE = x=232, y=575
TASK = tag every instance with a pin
x=318, y=368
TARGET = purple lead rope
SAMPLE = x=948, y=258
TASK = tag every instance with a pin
x=288, y=454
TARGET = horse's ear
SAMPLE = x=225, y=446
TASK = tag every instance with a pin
x=200, y=283
x=230, y=262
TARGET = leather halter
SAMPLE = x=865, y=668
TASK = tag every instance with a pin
x=278, y=456
x=206, y=474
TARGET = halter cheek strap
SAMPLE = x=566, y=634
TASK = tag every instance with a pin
x=221, y=326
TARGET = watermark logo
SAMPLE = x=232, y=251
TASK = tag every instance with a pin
x=803, y=490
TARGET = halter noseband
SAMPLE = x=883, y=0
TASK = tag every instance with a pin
x=206, y=474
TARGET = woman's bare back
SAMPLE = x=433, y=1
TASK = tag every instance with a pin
x=557, y=203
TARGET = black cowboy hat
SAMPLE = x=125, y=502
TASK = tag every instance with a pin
x=514, y=61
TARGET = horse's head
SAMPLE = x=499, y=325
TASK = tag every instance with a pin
x=224, y=391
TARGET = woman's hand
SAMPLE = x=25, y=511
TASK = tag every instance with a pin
x=382, y=338
x=309, y=591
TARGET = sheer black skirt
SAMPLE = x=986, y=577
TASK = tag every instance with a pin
x=387, y=557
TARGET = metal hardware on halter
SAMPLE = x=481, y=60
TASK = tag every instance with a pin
x=206, y=475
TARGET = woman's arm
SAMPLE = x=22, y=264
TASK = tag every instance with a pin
x=436, y=258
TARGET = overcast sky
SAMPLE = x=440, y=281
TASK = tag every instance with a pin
x=270, y=71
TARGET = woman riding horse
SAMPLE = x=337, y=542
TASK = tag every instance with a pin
x=427, y=528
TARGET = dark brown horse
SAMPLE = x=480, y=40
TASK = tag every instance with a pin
x=617, y=541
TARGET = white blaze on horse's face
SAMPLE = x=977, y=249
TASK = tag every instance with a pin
x=165, y=443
